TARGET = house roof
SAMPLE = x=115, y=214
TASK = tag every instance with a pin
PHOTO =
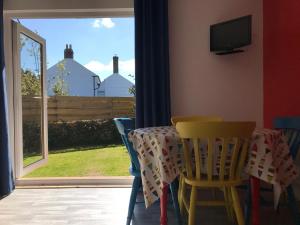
x=71, y=67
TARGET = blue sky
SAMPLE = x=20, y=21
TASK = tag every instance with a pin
x=94, y=41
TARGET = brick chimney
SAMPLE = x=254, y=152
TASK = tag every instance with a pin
x=68, y=52
x=116, y=64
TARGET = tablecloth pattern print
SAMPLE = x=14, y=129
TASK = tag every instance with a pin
x=160, y=155
x=160, y=158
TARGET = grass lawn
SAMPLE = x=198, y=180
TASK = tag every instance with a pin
x=106, y=161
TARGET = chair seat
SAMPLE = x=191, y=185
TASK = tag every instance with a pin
x=134, y=172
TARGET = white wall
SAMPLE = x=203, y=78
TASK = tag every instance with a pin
x=115, y=86
x=204, y=83
x=78, y=80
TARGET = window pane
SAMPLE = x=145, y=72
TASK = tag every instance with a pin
x=31, y=85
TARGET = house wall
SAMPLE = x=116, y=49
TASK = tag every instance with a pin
x=78, y=81
x=204, y=83
x=115, y=86
x=281, y=59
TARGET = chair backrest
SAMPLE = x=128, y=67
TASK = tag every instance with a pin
x=124, y=126
x=291, y=129
x=215, y=151
x=176, y=119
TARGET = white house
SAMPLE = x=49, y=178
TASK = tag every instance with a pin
x=115, y=85
x=78, y=80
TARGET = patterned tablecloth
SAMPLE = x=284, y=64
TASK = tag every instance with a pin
x=159, y=152
x=270, y=160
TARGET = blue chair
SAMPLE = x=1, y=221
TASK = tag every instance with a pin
x=124, y=126
x=291, y=129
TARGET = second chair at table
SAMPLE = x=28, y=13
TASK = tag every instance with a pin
x=124, y=126
x=209, y=171
x=291, y=128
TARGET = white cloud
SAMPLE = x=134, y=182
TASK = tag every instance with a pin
x=125, y=68
x=105, y=22
x=96, y=23
x=98, y=67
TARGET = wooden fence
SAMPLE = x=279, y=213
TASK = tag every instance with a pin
x=72, y=108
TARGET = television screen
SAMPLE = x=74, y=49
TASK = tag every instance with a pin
x=229, y=35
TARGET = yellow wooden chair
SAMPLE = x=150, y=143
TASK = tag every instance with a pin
x=194, y=118
x=234, y=138
x=176, y=119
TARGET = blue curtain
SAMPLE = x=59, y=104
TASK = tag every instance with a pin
x=6, y=176
x=152, y=63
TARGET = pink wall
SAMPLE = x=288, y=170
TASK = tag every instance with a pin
x=281, y=59
x=204, y=83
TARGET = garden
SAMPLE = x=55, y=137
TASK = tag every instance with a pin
x=80, y=148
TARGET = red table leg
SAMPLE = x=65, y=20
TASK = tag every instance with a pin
x=255, y=186
x=163, y=205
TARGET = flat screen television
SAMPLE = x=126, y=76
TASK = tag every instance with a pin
x=228, y=36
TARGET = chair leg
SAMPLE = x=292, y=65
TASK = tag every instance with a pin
x=255, y=200
x=231, y=203
x=228, y=203
x=174, y=193
x=192, y=209
x=248, y=205
x=179, y=190
x=181, y=193
x=137, y=182
x=293, y=205
x=237, y=206
x=163, y=205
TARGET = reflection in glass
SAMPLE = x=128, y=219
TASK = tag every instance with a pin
x=31, y=89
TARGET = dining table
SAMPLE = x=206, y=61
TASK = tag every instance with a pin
x=160, y=155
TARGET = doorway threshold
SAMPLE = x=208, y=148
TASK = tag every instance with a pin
x=105, y=181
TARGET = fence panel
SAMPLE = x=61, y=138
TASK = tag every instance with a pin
x=72, y=108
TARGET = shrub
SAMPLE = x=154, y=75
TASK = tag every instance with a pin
x=72, y=134
x=31, y=138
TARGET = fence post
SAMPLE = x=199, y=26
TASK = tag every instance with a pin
x=112, y=108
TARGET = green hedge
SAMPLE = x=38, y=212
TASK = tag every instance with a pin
x=63, y=135
x=31, y=138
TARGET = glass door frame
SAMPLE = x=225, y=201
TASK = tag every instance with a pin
x=20, y=170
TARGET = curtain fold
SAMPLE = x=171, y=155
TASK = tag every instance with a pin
x=6, y=175
x=152, y=63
